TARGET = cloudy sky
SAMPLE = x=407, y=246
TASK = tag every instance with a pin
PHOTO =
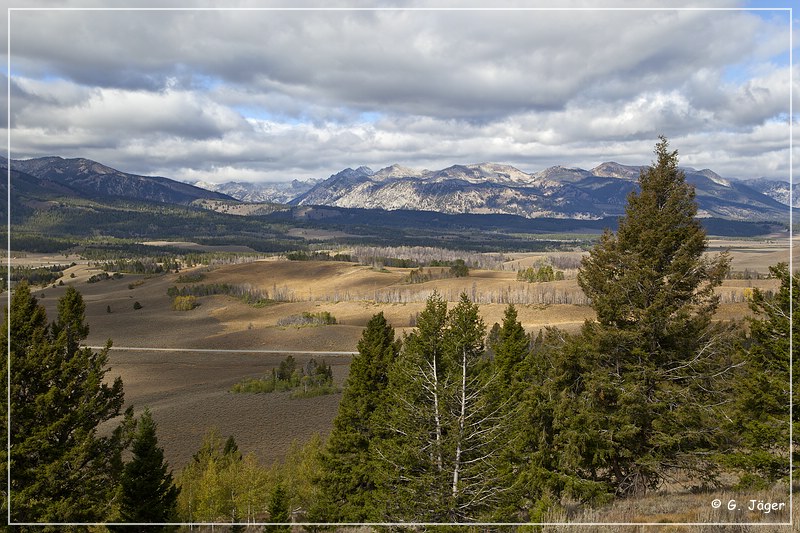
x=273, y=95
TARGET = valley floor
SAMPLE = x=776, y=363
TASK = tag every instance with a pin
x=188, y=392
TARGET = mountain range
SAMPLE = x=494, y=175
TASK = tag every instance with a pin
x=487, y=188
x=556, y=192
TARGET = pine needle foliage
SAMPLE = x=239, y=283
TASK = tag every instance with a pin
x=348, y=482
x=61, y=469
x=149, y=495
x=654, y=370
x=442, y=432
x=760, y=419
x=278, y=510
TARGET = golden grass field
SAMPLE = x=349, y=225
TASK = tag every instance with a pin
x=188, y=391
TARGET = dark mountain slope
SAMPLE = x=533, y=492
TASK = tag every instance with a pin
x=91, y=180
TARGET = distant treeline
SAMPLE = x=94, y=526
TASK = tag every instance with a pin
x=170, y=255
x=39, y=243
x=140, y=266
x=317, y=256
x=75, y=221
x=43, y=275
x=246, y=293
x=416, y=256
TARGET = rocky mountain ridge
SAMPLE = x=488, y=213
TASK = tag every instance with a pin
x=272, y=192
x=555, y=192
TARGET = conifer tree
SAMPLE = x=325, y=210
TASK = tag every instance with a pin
x=411, y=452
x=560, y=441
x=231, y=449
x=654, y=365
x=148, y=493
x=439, y=452
x=347, y=482
x=760, y=417
x=511, y=349
x=29, y=324
x=61, y=470
x=278, y=509
x=475, y=427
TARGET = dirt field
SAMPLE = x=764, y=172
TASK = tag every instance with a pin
x=188, y=391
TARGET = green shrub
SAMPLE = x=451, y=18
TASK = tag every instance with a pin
x=543, y=273
x=313, y=392
x=459, y=269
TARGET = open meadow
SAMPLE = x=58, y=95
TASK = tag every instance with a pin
x=189, y=391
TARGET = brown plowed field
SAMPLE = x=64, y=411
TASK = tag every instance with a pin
x=188, y=393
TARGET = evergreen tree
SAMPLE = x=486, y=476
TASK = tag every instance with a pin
x=61, y=471
x=347, y=481
x=438, y=454
x=760, y=417
x=558, y=449
x=511, y=348
x=278, y=510
x=475, y=435
x=411, y=452
x=148, y=493
x=544, y=436
x=231, y=449
x=654, y=366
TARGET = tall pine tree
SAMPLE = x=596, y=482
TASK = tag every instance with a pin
x=654, y=366
x=61, y=470
x=148, y=494
x=475, y=430
x=347, y=483
x=510, y=350
x=411, y=452
x=511, y=380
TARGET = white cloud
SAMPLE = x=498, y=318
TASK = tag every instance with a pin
x=296, y=94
